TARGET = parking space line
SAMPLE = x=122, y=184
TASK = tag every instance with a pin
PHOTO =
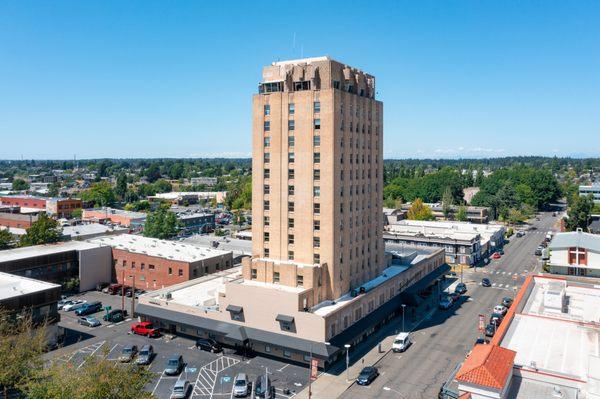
x=207, y=377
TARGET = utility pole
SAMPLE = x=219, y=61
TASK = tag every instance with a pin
x=403, y=307
x=347, y=346
x=133, y=296
x=123, y=291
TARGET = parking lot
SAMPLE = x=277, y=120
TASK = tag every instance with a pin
x=211, y=375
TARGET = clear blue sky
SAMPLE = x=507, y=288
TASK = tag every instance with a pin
x=175, y=78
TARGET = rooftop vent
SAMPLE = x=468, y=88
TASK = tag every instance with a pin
x=557, y=392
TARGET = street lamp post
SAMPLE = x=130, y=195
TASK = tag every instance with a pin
x=403, y=307
x=347, y=346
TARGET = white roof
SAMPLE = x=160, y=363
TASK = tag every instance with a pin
x=158, y=248
x=553, y=341
x=301, y=61
x=12, y=285
x=453, y=230
x=90, y=229
x=38, y=250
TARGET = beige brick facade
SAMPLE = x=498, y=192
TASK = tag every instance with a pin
x=317, y=176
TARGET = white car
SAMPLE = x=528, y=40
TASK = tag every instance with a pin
x=500, y=309
x=401, y=342
x=74, y=305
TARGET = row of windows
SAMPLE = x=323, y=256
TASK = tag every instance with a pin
x=276, y=276
x=292, y=125
x=292, y=157
x=316, y=207
x=291, y=191
x=291, y=223
x=292, y=141
x=292, y=108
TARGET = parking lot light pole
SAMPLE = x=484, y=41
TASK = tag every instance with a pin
x=403, y=308
x=347, y=346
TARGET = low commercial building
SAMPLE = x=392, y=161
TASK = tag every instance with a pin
x=19, y=294
x=59, y=207
x=196, y=222
x=135, y=220
x=190, y=197
x=575, y=253
x=17, y=220
x=475, y=214
x=60, y=262
x=464, y=243
x=591, y=189
x=207, y=181
x=267, y=313
x=149, y=263
x=90, y=230
x=546, y=346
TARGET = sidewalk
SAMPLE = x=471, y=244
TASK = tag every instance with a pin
x=333, y=383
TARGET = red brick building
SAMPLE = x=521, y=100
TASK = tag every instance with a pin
x=61, y=207
x=17, y=220
x=160, y=263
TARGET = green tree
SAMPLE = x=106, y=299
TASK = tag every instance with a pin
x=6, y=239
x=53, y=190
x=447, y=202
x=419, y=211
x=100, y=194
x=461, y=214
x=153, y=173
x=19, y=185
x=162, y=186
x=77, y=213
x=176, y=171
x=45, y=230
x=161, y=224
x=21, y=347
x=121, y=186
x=579, y=213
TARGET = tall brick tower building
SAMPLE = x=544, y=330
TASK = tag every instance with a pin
x=317, y=178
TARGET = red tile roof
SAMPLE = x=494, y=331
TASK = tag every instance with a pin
x=488, y=366
x=466, y=395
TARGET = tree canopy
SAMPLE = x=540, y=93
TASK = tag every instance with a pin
x=579, y=212
x=161, y=224
x=45, y=230
x=100, y=194
x=419, y=211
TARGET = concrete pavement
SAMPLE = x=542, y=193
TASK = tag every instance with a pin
x=441, y=338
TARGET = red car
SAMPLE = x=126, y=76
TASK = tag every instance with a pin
x=145, y=328
x=496, y=255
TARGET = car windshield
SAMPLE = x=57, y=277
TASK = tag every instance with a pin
x=178, y=389
x=144, y=353
x=173, y=362
x=399, y=341
x=240, y=383
x=127, y=351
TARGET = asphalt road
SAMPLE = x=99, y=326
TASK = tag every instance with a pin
x=442, y=341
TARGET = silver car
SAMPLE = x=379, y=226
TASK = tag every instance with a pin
x=180, y=389
x=240, y=386
x=145, y=355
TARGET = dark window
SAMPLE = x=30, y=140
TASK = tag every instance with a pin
x=267, y=109
x=291, y=124
x=317, y=106
x=317, y=140
x=302, y=85
x=267, y=126
x=317, y=123
x=291, y=108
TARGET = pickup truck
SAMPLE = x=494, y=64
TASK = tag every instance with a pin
x=145, y=328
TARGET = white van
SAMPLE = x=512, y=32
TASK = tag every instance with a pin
x=401, y=342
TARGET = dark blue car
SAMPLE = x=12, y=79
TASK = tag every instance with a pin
x=486, y=282
x=89, y=308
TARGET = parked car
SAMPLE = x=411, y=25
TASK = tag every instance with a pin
x=263, y=388
x=89, y=308
x=538, y=251
x=401, y=342
x=209, y=345
x=520, y=233
x=445, y=303
x=460, y=288
x=480, y=341
x=63, y=302
x=115, y=316
x=367, y=375
x=507, y=301
x=145, y=328
x=490, y=330
x=114, y=289
x=180, y=389
x=129, y=292
x=501, y=251
x=485, y=282
x=174, y=365
x=101, y=286
x=88, y=321
x=128, y=353
x=74, y=305
x=454, y=296
x=146, y=355
x=501, y=309
x=240, y=386
x=496, y=255
x=496, y=319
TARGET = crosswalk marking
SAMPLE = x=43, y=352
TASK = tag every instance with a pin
x=207, y=377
